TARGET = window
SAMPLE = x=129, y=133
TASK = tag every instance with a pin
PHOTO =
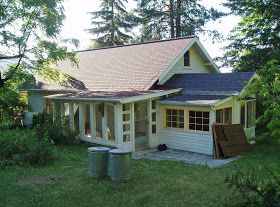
x=224, y=115
x=126, y=122
x=251, y=113
x=199, y=120
x=187, y=58
x=154, y=117
x=248, y=114
x=175, y=118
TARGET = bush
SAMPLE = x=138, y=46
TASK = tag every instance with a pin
x=57, y=131
x=18, y=146
x=256, y=190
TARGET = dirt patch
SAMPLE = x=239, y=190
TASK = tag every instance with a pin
x=34, y=181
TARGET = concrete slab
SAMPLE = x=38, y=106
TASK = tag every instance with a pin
x=183, y=156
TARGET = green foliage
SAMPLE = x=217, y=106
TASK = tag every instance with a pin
x=12, y=103
x=57, y=131
x=256, y=39
x=34, y=43
x=257, y=190
x=23, y=146
x=111, y=24
x=174, y=18
x=267, y=88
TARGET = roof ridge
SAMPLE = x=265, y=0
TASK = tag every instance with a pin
x=139, y=43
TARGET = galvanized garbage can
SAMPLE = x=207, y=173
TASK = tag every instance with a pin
x=98, y=161
x=120, y=165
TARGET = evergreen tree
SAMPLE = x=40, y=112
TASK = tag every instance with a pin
x=111, y=24
x=174, y=18
x=256, y=39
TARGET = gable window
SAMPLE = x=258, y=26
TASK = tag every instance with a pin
x=187, y=59
x=199, y=120
x=175, y=118
x=224, y=116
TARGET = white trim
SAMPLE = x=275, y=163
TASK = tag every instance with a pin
x=253, y=77
x=92, y=121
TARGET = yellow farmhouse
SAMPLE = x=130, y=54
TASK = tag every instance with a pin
x=141, y=95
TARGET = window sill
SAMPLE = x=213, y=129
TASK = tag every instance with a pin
x=186, y=130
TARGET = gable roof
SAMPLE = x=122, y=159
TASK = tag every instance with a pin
x=127, y=67
x=207, y=82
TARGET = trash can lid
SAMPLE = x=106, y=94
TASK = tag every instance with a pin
x=98, y=149
x=119, y=151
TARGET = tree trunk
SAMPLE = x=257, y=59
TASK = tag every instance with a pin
x=171, y=16
x=178, y=18
x=113, y=25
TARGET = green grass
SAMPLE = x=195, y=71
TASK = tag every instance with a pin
x=154, y=183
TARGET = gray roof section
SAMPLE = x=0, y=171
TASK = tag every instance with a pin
x=208, y=82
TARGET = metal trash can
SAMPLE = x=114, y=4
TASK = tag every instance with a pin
x=120, y=165
x=98, y=161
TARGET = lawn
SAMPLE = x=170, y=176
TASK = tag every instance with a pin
x=155, y=183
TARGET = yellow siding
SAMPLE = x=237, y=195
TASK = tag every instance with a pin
x=197, y=65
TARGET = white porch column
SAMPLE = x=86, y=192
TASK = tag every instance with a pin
x=118, y=123
x=212, y=118
x=71, y=116
x=54, y=111
x=81, y=120
x=92, y=121
x=132, y=127
x=104, y=125
x=149, y=121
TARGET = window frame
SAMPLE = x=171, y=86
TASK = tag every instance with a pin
x=202, y=117
x=224, y=115
x=177, y=121
x=187, y=59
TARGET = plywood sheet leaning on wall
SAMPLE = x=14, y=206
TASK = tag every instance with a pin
x=230, y=140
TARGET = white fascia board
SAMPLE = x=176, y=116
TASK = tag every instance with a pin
x=223, y=101
x=58, y=98
x=165, y=72
x=185, y=103
x=149, y=96
x=212, y=63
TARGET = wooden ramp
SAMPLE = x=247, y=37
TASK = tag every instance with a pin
x=230, y=140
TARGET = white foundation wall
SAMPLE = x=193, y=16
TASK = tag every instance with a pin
x=193, y=142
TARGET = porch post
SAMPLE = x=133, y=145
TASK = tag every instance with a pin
x=92, y=124
x=54, y=111
x=149, y=123
x=71, y=116
x=118, y=124
x=104, y=125
x=132, y=127
x=81, y=120
x=212, y=119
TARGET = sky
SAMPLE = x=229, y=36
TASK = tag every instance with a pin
x=78, y=20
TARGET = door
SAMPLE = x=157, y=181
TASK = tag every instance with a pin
x=141, y=125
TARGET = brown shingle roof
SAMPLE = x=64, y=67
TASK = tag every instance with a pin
x=130, y=67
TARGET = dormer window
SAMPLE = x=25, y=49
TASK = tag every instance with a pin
x=187, y=59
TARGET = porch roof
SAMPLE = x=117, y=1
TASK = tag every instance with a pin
x=112, y=96
x=200, y=100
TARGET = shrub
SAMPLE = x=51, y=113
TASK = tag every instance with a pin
x=18, y=146
x=257, y=190
x=58, y=131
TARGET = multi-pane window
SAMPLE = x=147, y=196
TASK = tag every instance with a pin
x=154, y=117
x=224, y=115
x=175, y=118
x=126, y=122
x=199, y=120
x=187, y=59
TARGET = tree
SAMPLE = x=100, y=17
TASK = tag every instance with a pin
x=267, y=89
x=29, y=36
x=174, y=18
x=111, y=24
x=256, y=39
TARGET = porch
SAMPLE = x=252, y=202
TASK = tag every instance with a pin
x=126, y=121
